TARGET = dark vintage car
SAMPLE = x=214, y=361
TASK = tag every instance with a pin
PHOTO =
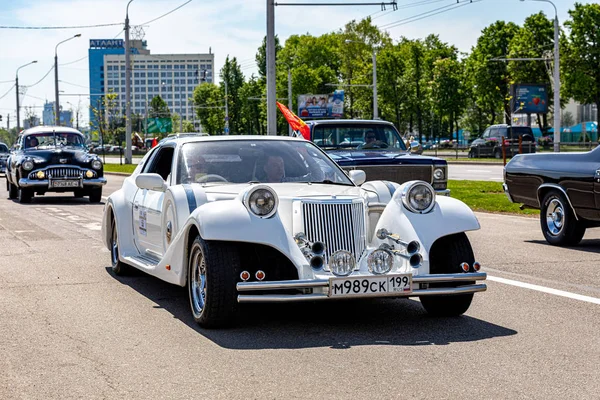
x=376, y=147
x=489, y=144
x=4, y=153
x=53, y=159
x=564, y=186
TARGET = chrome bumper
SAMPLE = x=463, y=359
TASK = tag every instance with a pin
x=443, y=192
x=421, y=282
x=43, y=183
x=507, y=193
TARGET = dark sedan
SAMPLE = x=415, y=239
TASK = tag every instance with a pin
x=4, y=153
x=564, y=186
x=53, y=159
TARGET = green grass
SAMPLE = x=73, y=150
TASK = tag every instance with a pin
x=127, y=168
x=485, y=196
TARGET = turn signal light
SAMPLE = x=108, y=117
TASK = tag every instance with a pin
x=476, y=266
x=89, y=174
x=168, y=267
x=245, y=275
x=260, y=275
x=464, y=266
x=40, y=175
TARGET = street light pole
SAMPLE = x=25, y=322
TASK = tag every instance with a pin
x=375, y=111
x=17, y=87
x=127, y=90
x=557, y=108
x=271, y=84
x=56, y=105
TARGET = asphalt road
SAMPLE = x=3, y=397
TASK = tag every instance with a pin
x=70, y=329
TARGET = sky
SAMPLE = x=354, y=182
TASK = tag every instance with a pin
x=228, y=27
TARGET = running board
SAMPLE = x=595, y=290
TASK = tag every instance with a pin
x=144, y=262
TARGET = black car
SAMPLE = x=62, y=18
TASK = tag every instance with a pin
x=53, y=159
x=375, y=146
x=489, y=144
x=4, y=153
x=564, y=186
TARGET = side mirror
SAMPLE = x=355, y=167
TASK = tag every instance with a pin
x=357, y=176
x=151, y=182
x=415, y=148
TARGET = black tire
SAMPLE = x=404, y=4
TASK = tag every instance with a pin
x=446, y=256
x=558, y=222
x=117, y=266
x=13, y=191
x=498, y=154
x=25, y=195
x=471, y=154
x=213, y=297
x=96, y=195
x=78, y=194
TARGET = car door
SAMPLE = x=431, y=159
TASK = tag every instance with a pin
x=148, y=204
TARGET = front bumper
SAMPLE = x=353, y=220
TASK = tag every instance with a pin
x=317, y=289
x=443, y=192
x=44, y=184
x=507, y=193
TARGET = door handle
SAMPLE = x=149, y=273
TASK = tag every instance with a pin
x=136, y=205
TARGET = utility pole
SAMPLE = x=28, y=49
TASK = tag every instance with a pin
x=271, y=84
x=375, y=111
x=226, y=109
x=56, y=104
x=17, y=87
x=290, y=96
x=557, y=108
x=127, y=90
x=8, y=122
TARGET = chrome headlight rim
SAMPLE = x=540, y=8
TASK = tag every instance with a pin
x=333, y=268
x=441, y=171
x=27, y=165
x=390, y=263
x=409, y=189
x=254, y=189
x=96, y=164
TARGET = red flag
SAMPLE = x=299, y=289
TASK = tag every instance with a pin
x=295, y=122
x=154, y=142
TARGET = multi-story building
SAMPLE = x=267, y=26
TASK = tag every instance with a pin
x=171, y=76
x=66, y=116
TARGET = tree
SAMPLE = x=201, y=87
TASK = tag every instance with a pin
x=261, y=55
x=581, y=60
x=159, y=108
x=232, y=76
x=209, y=105
x=447, y=91
x=254, y=117
x=104, y=110
x=567, y=119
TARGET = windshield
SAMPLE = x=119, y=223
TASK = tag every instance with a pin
x=266, y=161
x=359, y=136
x=53, y=139
x=3, y=148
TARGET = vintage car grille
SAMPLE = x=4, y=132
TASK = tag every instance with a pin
x=396, y=173
x=338, y=224
x=64, y=172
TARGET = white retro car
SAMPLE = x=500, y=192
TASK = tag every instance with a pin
x=254, y=219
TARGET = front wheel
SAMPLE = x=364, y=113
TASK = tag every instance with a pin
x=213, y=269
x=13, y=190
x=471, y=153
x=25, y=195
x=96, y=195
x=558, y=222
x=446, y=255
x=498, y=154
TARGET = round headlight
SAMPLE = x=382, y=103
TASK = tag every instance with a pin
x=89, y=174
x=96, y=164
x=28, y=165
x=261, y=201
x=380, y=262
x=342, y=263
x=438, y=174
x=418, y=197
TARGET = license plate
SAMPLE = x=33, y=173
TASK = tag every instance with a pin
x=65, y=184
x=370, y=286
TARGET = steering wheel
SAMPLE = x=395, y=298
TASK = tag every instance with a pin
x=208, y=177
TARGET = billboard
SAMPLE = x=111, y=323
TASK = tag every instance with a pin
x=529, y=99
x=159, y=125
x=106, y=43
x=321, y=105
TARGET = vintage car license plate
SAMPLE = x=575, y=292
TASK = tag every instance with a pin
x=370, y=285
x=65, y=184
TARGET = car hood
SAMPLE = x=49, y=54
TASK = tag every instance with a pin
x=285, y=191
x=58, y=153
x=380, y=157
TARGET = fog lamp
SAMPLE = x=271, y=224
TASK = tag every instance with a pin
x=89, y=174
x=342, y=263
x=40, y=175
x=380, y=262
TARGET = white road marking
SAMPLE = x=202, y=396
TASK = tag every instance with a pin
x=544, y=289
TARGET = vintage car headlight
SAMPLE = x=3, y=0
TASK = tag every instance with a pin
x=27, y=165
x=262, y=201
x=96, y=164
x=342, y=263
x=418, y=197
x=89, y=174
x=438, y=174
x=40, y=175
x=380, y=261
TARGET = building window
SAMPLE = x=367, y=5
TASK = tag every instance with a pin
x=163, y=74
x=177, y=95
x=177, y=104
x=122, y=68
x=142, y=74
x=109, y=68
x=136, y=74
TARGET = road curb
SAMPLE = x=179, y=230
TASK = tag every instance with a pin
x=117, y=173
x=474, y=163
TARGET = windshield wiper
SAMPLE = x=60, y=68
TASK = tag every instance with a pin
x=330, y=182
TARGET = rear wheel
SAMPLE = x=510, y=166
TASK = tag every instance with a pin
x=117, y=266
x=558, y=222
x=213, y=270
x=498, y=154
x=446, y=256
x=96, y=195
x=25, y=195
x=471, y=153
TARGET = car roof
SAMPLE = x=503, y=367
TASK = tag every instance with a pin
x=348, y=121
x=191, y=139
x=49, y=129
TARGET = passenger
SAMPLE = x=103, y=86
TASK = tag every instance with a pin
x=197, y=170
x=275, y=169
x=33, y=142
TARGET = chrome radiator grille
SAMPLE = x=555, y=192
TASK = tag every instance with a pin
x=396, y=173
x=64, y=172
x=340, y=225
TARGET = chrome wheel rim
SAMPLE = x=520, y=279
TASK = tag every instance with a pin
x=197, y=280
x=114, y=246
x=555, y=217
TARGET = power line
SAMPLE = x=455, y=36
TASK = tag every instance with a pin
x=44, y=77
x=164, y=15
x=59, y=27
x=431, y=13
x=7, y=92
x=73, y=62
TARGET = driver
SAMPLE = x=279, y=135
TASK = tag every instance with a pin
x=197, y=170
x=275, y=169
x=371, y=141
x=33, y=142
